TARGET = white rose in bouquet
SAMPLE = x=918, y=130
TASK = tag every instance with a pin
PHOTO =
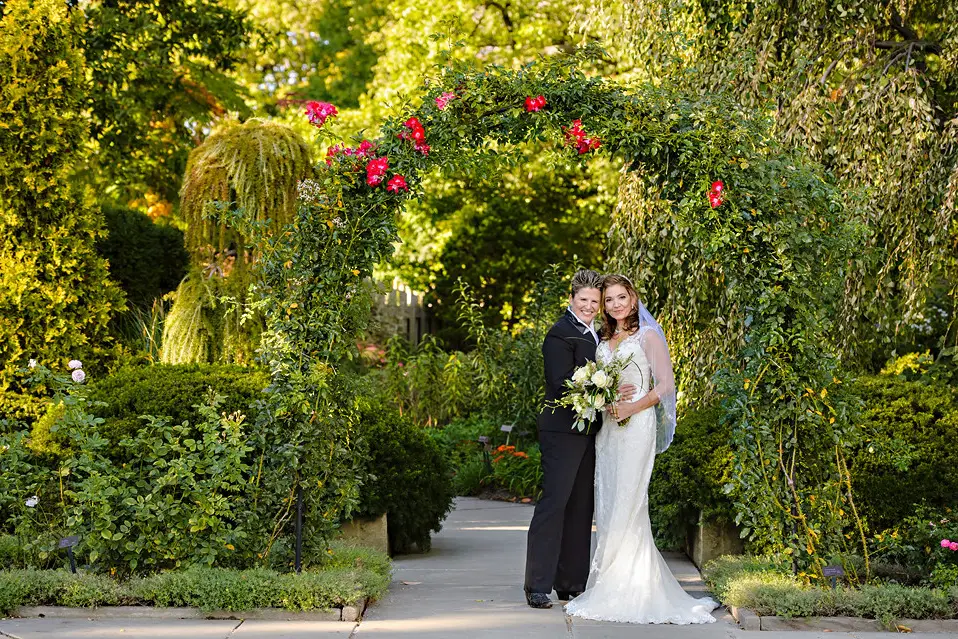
x=598, y=402
x=580, y=375
x=601, y=379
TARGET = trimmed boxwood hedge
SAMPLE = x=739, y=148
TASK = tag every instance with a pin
x=172, y=390
x=410, y=478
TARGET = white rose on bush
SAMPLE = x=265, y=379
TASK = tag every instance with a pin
x=600, y=379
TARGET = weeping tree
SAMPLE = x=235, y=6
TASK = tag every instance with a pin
x=870, y=89
x=250, y=169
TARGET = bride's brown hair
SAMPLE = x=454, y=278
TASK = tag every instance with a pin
x=631, y=322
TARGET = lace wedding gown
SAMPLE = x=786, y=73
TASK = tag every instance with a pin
x=629, y=580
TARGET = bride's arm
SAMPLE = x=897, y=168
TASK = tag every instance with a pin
x=658, y=355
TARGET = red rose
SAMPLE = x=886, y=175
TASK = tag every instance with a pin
x=415, y=132
x=318, y=112
x=397, y=183
x=365, y=148
x=535, y=104
x=585, y=145
x=715, y=200
x=718, y=186
x=376, y=170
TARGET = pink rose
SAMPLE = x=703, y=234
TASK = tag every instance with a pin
x=317, y=112
x=953, y=545
x=443, y=100
x=945, y=543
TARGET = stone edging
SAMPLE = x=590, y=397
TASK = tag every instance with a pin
x=346, y=613
x=748, y=620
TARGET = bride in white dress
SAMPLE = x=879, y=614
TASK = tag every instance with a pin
x=629, y=580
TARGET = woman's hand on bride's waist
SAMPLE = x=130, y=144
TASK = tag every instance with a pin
x=623, y=409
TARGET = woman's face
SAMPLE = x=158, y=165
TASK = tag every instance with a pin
x=618, y=302
x=585, y=304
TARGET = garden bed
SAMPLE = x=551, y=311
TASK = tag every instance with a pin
x=339, y=589
x=762, y=596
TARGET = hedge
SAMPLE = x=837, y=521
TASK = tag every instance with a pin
x=348, y=577
x=410, y=478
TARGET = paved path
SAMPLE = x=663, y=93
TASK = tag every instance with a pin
x=468, y=587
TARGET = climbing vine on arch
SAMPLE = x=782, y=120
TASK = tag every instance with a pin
x=775, y=229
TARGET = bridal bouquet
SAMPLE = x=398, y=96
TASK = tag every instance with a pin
x=592, y=387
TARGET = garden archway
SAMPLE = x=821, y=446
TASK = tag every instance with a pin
x=776, y=234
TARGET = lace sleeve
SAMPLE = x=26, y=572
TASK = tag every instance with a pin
x=656, y=352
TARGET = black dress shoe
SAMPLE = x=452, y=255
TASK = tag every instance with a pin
x=538, y=600
x=566, y=595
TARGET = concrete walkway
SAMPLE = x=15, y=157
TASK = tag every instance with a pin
x=468, y=587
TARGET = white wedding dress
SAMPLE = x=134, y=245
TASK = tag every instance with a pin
x=629, y=580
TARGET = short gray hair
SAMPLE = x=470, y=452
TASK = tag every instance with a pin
x=585, y=278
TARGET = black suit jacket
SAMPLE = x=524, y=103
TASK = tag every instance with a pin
x=567, y=345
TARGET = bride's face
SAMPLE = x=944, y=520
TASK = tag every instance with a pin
x=618, y=302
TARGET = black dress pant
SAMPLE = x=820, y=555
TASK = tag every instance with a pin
x=560, y=535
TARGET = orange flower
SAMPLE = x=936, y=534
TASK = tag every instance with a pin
x=520, y=454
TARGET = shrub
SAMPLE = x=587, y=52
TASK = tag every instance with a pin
x=766, y=588
x=57, y=587
x=146, y=259
x=909, y=432
x=56, y=300
x=172, y=391
x=688, y=478
x=517, y=471
x=914, y=545
x=410, y=478
x=185, y=499
x=364, y=574
x=911, y=436
x=224, y=589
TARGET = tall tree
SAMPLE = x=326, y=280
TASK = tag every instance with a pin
x=161, y=71
x=55, y=298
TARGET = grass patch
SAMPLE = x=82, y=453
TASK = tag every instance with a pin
x=769, y=589
x=349, y=575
